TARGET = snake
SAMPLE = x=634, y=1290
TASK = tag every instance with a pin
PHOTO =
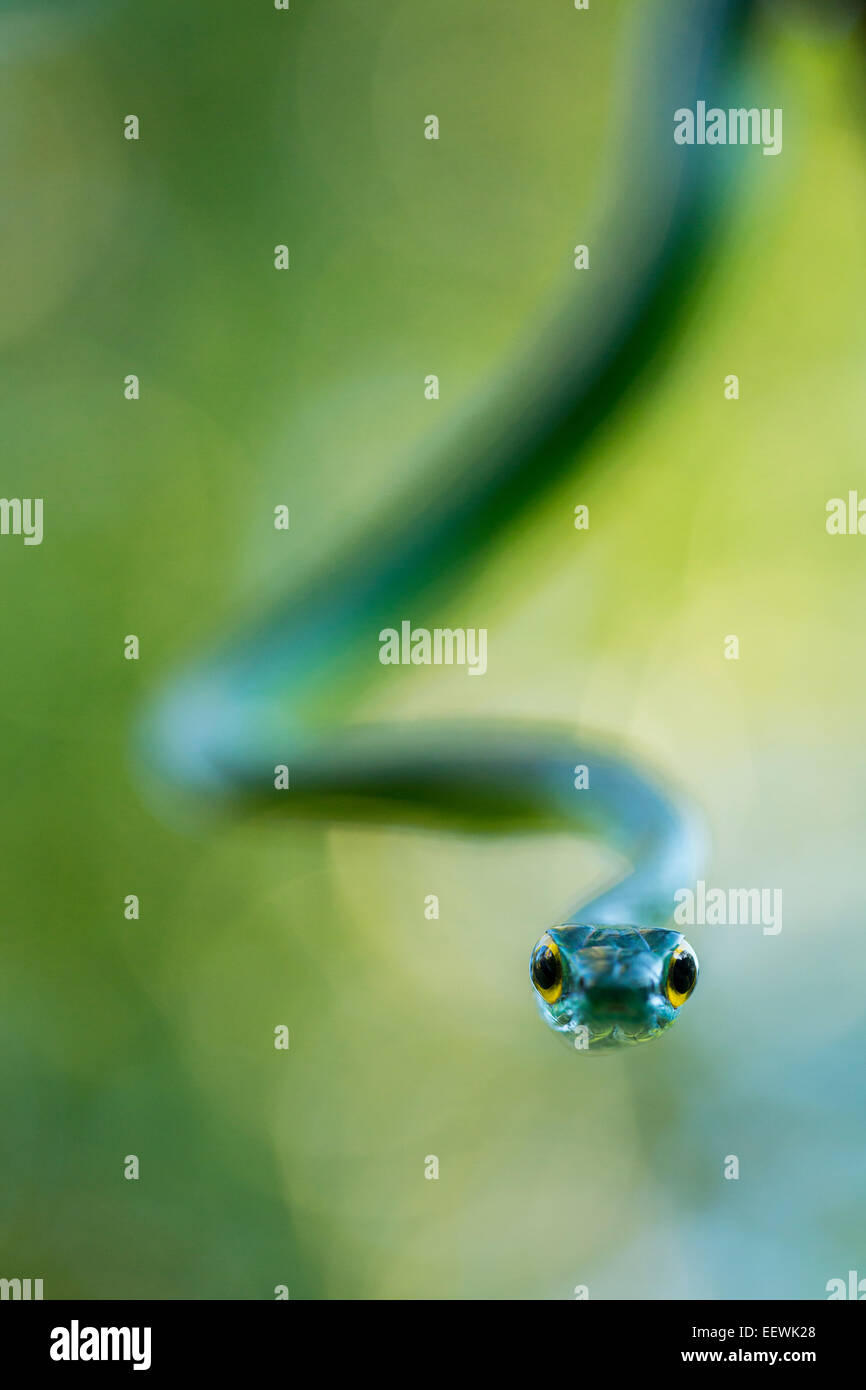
x=279, y=692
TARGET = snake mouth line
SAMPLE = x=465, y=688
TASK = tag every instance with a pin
x=641, y=1035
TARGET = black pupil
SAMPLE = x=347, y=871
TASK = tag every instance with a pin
x=545, y=968
x=683, y=973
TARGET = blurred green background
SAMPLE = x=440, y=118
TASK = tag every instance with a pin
x=410, y=1037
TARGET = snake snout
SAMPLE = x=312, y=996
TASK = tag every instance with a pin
x=615, y=987
x=617, y=997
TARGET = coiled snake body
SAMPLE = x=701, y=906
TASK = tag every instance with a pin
x=613, y=974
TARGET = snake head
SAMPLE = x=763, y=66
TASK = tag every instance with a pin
x=605, y=987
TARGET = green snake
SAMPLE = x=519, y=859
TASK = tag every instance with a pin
x=613, y=974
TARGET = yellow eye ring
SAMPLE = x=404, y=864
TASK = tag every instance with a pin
x=545, y=969
x=682, y=976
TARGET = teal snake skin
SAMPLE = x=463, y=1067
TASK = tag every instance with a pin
x=612, y=974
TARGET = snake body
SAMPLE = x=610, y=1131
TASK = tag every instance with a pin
x=612, y=974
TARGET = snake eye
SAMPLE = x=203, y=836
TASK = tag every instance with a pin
x=682, y=975
x=545, y=970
